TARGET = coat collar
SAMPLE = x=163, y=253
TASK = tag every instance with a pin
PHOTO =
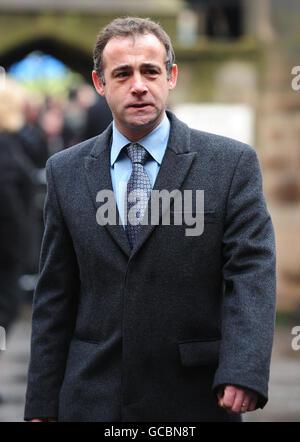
x=179, y=139
x=175, y=165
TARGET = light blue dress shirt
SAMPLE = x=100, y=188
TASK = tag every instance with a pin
x=120, y=165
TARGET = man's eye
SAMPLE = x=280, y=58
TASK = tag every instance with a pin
x=122, y=74
x=151, y=72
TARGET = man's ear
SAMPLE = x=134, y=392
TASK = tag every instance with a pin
x=99, y=86
x=173, y=77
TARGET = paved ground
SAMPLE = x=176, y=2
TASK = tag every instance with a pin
x=283, y=405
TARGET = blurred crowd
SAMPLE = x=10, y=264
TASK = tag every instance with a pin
x=31, y=130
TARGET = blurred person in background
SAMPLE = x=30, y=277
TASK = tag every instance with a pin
x=52, y=125
x=74, y=119
x=33, y=138
x=87, y=114
x=16, y=182
x=75, y=113
x=98, y=117
x=34, y=145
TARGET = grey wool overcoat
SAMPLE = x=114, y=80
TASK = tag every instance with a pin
x=150, y=334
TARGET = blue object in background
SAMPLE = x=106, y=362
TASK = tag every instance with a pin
x=37, y=65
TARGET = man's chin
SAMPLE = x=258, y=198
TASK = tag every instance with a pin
x=144, y=122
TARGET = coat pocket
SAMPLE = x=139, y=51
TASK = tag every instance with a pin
x=198, y=353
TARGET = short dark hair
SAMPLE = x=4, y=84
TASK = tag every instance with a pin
x=131, y=26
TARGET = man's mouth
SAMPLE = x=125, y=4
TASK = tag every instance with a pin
x=139, y=106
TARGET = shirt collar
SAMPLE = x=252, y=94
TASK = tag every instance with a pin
x=155, y=142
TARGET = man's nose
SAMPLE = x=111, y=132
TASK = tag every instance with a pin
x=138, y=85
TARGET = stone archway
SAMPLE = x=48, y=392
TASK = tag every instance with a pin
x=73, y=57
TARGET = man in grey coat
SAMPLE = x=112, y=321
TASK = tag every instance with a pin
x=139, y=316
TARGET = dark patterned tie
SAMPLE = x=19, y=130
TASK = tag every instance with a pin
x=138, y=190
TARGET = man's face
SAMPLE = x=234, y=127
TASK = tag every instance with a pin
x=136, y=83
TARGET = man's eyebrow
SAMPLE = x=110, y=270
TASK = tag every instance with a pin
x=122, y=67
x=151, y=66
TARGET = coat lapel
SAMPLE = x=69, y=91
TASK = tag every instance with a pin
x=174, y=168
x=97, y=166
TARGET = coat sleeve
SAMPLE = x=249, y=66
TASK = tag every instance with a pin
x=249, y=296
x=54, y=310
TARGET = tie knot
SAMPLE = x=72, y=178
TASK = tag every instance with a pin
x=137, y=153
